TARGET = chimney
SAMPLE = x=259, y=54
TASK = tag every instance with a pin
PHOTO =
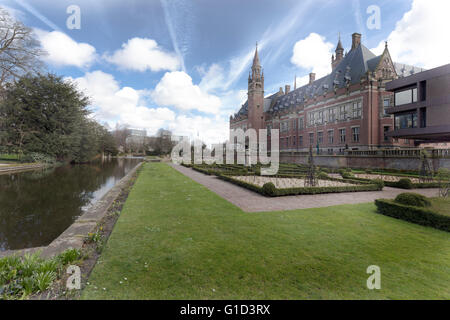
x=312, y=77
x=287, y=89
x=356, y=40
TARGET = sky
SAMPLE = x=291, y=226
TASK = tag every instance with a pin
x=183, y=65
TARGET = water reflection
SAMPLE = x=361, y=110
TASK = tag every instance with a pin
x=37, y=206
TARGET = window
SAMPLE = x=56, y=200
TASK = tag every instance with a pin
x=300, y=141
x=320, y=117
x=311, y=138
x=342, y=135
x=385, y=131
x=342, y=113
x=293, y=140
x=332, y=115
x=406, y=121
x=423, y=117
x=423, y=90
x=330, y=136
x=356, y=109
x=301, y=124
x=386, y=105
x=355, y=134
x=406, y=96
x=320, y=137
x=311, y=119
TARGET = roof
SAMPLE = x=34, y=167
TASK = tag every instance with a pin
x=349, y=71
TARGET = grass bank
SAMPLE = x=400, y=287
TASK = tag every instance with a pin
x=175, y=239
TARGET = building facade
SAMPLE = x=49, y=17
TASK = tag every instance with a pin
x=422, y=106
x=345, y=110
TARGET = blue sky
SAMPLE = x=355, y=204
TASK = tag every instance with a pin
x=183, y=65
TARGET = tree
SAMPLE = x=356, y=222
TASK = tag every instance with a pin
x=19, y=50
x=46, y=114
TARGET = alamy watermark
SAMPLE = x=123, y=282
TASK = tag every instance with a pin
x=374, y=281
x=74, y=19
x=244, y=147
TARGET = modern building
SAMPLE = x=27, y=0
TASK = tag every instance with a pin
x=345, y=110
x=422, y=106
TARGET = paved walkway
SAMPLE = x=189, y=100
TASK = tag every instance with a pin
x=250, y=201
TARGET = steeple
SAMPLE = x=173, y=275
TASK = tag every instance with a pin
x=256, y=58
x=335, y=60
x=257, y=75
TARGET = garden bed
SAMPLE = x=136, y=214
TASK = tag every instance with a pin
x=285, y=183
x=333, y=186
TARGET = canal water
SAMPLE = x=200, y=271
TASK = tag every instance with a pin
x=37, y=206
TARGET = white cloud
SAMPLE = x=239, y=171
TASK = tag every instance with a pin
x=419, y=38
x=313, y=53
x=141, y=54
x=124, y=105
x=208, y=129
x=176, y=89
x=64, y=51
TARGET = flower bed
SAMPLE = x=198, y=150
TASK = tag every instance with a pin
x=286, y=183
x=344, y=186
x=383, y=177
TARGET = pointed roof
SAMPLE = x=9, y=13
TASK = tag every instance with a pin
x=339, y=45
x=256, y=58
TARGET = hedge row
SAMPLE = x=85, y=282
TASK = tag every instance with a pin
x=401, y=185
x=422, y=216
x=302, y=191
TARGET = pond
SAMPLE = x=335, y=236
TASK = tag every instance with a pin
x=37, y=206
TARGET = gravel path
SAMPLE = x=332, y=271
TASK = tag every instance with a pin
x=250, y=201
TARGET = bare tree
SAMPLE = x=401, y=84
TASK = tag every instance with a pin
x=19, y=49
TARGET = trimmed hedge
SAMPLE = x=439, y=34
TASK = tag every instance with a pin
x=413, y=199
x=422, y=216
x=301, y=191
x=397, y=184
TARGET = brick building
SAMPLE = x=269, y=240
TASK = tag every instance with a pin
x=343, y=110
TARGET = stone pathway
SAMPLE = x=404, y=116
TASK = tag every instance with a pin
x=253, y=202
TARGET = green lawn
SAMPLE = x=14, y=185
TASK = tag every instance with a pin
x=177, y=240
x=441, y=205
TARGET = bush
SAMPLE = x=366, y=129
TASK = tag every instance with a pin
x=404, y=183
x=368, y=171
x=322, y=175
x=413, y=199
x=347, y=175
x=379, y=182
x=422, y=216
x=269, y=189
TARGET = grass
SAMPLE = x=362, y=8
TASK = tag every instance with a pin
x=441, y=205
x=175, y=239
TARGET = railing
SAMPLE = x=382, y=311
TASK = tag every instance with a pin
x=411, y=153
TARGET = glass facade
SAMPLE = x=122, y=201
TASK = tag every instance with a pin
x=406, y=96
x=406, y=121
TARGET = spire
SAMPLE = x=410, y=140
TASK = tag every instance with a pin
x=295, y=82
x=256, y=58
x=339, y=45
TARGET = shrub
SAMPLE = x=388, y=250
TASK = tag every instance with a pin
x=322, y=175
x=422, y=216
x=379, y=182
x=404, y=183
x=368, y=171
x=413, y=199
x=347, y=175
x=269, y=189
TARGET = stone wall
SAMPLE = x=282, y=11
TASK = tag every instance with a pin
x=364, y=161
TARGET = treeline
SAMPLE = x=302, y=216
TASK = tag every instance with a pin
x=46, y=117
